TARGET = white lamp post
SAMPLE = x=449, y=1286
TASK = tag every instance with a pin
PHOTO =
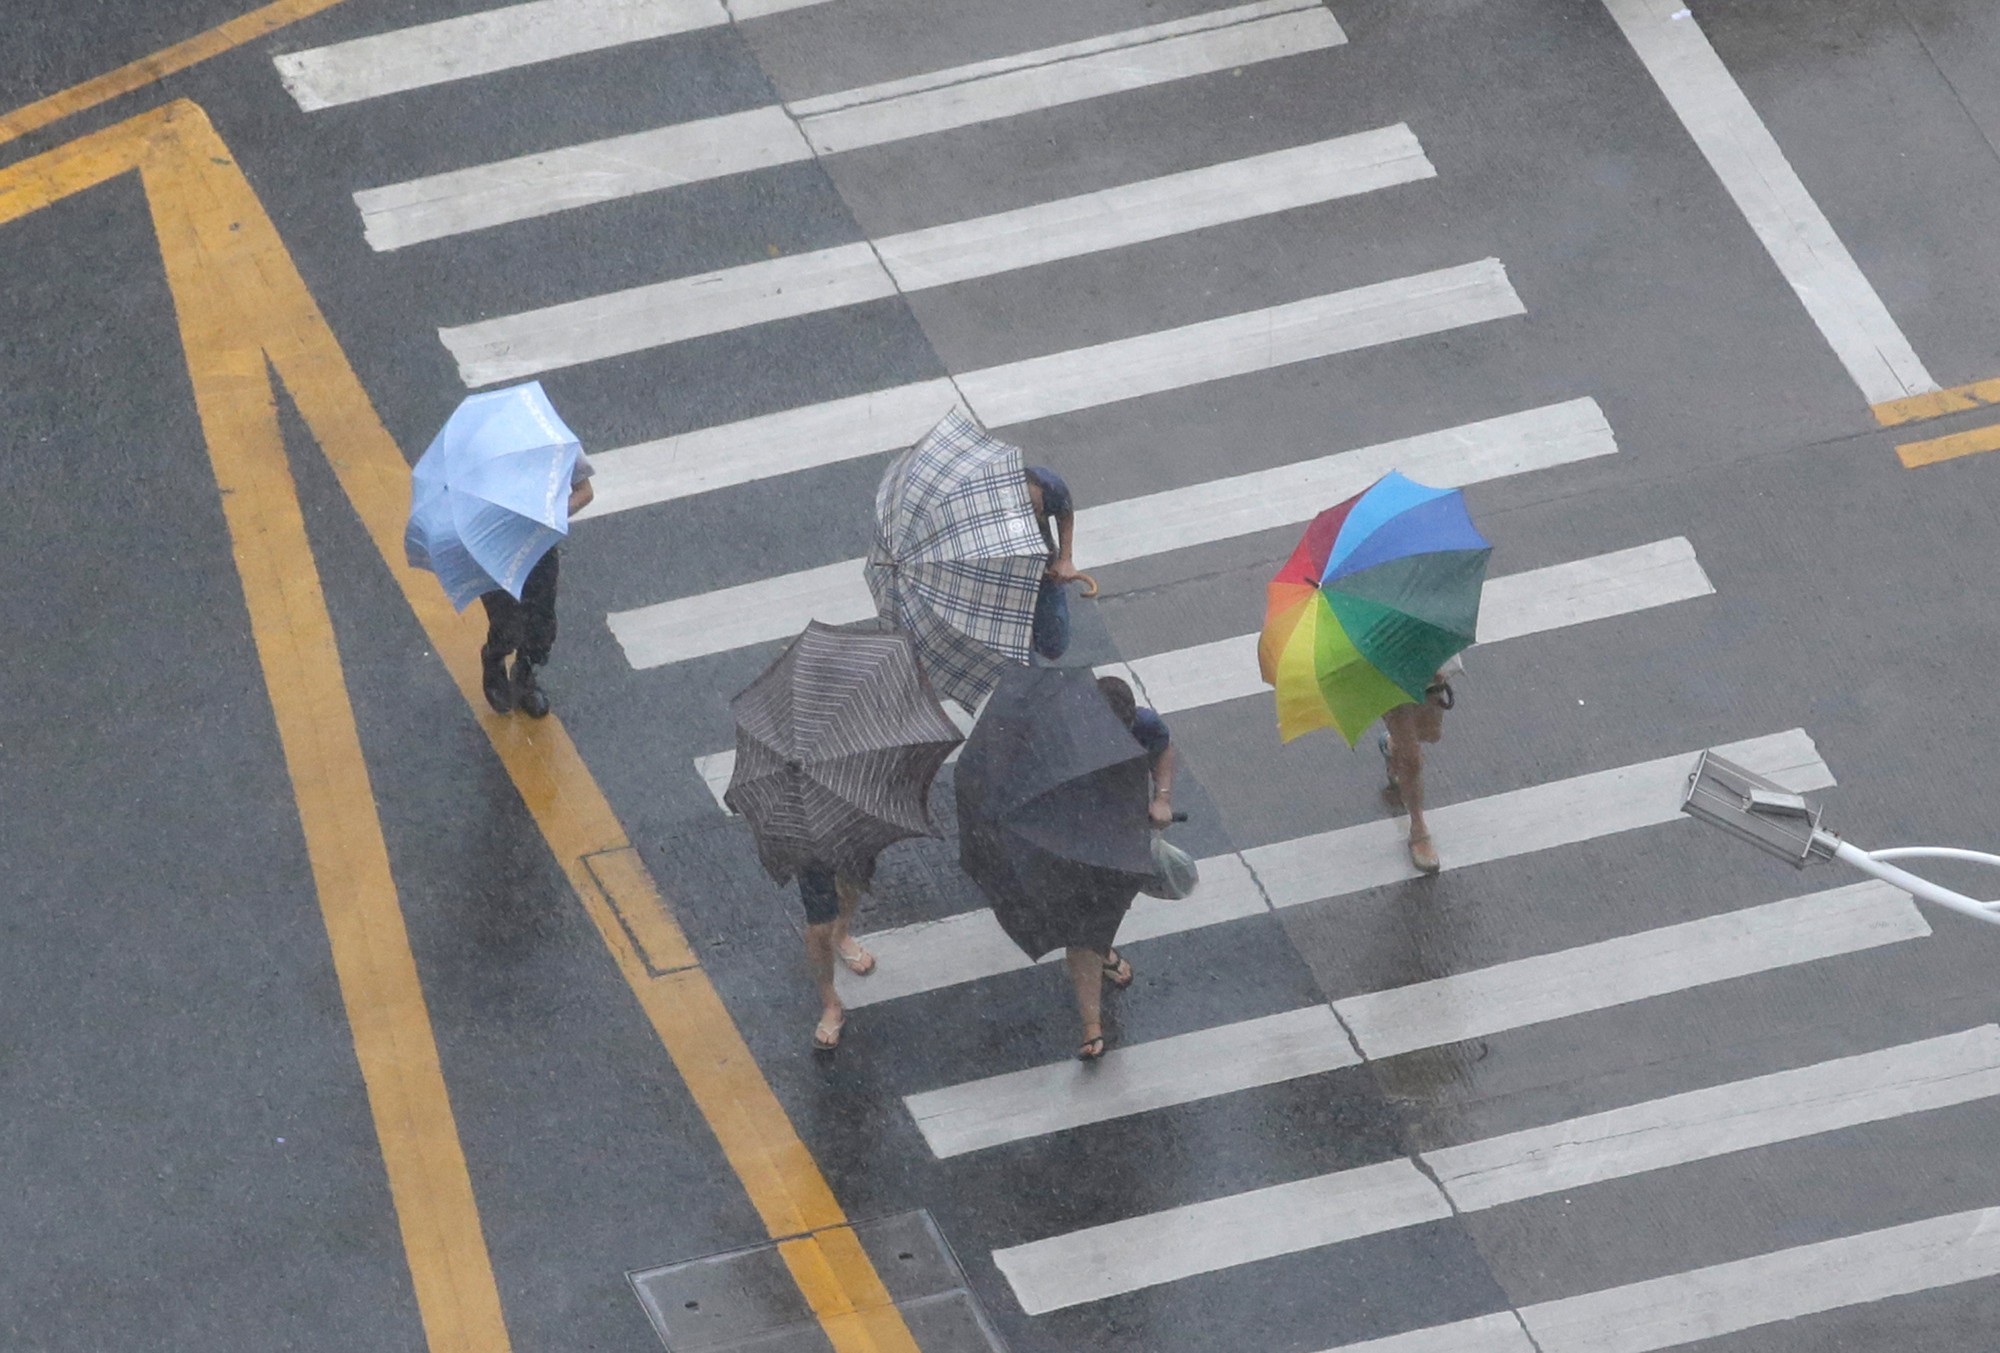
x=1779, y=822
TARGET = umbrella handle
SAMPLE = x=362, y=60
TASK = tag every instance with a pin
x=1089, y=584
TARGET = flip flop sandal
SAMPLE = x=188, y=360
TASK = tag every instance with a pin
x=1114, y=966
x=860, y=962
x=826, y=1037
x=1092, y=1049
x=1424, y=855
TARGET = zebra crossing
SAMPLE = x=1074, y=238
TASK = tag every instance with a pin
x=1262, y=1051
x=479, y=197
x=515, y=346
x=987, y=1117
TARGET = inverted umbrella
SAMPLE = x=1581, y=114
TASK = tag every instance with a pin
x=491, y=493
x=1380, y=592
x=836, y=747
x=958, y=557
x=1052, y=792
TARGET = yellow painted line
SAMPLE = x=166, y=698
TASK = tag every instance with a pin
x=1938, y=403
x=450, y=1270
x=1913, y=454
x=148, y=69
x=273, y=312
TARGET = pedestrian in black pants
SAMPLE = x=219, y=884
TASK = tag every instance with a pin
x=526, y=629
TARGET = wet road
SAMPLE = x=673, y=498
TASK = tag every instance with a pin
x=1608, y=1082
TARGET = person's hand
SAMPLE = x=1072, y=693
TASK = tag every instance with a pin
x=1062, y=570
x=1161, y=811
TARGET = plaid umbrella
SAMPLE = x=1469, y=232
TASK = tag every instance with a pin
x=958, y=556
x=836, y=747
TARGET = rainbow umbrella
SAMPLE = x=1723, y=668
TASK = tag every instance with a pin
x=1383, y=589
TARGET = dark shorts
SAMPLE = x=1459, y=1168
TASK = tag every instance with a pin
x=820, y=896
x=819, y=890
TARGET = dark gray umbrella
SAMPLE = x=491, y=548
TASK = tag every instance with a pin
x=1052, y=794
x=836, y=747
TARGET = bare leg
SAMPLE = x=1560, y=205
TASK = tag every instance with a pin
x=858, y=960
x=1086, y=974
x=820, y=946
x=1406, y=769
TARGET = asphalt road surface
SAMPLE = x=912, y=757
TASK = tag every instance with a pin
x=1664, y=289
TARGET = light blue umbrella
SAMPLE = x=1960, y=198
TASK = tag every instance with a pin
x=491, y=493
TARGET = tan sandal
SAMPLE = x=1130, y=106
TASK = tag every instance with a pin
x=1423, y=854
x=826, y=1037
x=858, y=960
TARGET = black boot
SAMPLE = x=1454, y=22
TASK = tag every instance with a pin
x=493, y=680
x=528, y=697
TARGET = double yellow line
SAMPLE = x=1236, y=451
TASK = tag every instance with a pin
x=1959, y=399
x=244, y=313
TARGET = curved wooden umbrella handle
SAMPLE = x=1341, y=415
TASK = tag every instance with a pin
x=1089, y=584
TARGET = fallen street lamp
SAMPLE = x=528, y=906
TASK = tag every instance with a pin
x=1782, y=823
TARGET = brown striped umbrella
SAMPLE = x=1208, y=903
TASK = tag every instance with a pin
x=836, y=747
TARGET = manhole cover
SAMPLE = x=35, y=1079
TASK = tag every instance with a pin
x=746, y=1301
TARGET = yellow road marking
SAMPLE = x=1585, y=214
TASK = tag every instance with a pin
x=147, y=69
x=271, y=312
x=449, y=1267
x=1913, y=454
x=1938, y=403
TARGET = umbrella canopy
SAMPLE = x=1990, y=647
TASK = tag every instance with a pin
x=1383, y=589
x=836, y=747
x=958, y=557
x=1052, y=792
x=491, y=493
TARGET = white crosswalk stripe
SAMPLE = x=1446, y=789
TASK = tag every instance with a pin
x=1064, y=382
x=1131, y=1080
x=1136, y=528
x=1139, y=1252
x=1235, y=345
x=1708, y=1303
x=1598, y=588
x=990, y=1112
x=398, y=215
x=480, y=197
x=1010, y=86
x=931, y=955
x=512, y=346
x=494, y=40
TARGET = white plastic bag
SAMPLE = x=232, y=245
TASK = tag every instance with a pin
x=1174, y=872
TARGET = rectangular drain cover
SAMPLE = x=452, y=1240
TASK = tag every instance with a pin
x=746, y=1302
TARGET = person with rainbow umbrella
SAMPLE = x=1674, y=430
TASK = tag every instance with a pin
x=1367, y=618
